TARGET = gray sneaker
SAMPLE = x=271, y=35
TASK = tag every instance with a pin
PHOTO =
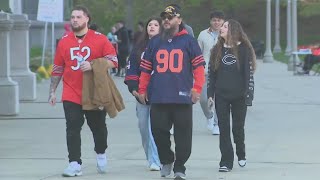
x=73, y=169
x=166, y=170
x=179, y=176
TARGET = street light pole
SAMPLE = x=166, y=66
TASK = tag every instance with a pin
x=277, y=47
x=288, y=49
x=295, y=58
x=268, y=56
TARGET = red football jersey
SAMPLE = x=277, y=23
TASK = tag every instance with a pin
x=70, y=52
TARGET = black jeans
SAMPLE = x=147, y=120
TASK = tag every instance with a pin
x=74, y=122
x=163, y=116
x=238, y=110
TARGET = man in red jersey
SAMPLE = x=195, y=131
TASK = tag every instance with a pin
x=75, y=52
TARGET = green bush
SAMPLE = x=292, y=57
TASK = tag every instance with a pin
x=35, y=62
x=35, y=52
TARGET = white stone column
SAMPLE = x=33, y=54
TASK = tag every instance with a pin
x=15, y=6
x=9, y=90
x=268, y=56
x=19, y=53
x=289, y=36
x=277, y=47
x=295, y=58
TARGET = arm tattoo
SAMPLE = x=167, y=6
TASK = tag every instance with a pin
x=54, y=83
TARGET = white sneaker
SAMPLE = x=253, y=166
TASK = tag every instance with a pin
x=73, y=169
x=210, y=123
x=171, y=131
x=102, y=163
x=215, y=130
x=154, y=167
x=242, y=163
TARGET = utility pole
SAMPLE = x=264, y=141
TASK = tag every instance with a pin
x=268, y=56
x=277, y=47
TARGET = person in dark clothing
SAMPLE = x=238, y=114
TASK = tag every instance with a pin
x=138, y=34
x=309, y=61
x=94, y=27
x=123, y=47
x=174, y=63
x=231, y=87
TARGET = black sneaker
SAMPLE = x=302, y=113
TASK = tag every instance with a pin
x=224, y=169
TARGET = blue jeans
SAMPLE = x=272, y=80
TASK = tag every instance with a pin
x=149, y=146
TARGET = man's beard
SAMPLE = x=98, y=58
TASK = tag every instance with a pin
x=79, y=28
x=167, y=34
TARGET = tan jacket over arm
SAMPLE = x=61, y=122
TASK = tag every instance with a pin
x=99, y=91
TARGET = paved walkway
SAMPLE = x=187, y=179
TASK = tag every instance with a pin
x=281, y=137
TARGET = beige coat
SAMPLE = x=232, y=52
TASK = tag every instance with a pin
x=99, y=91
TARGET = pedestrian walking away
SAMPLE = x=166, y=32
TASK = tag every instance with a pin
x=151, y=29
x=78, y=54
x=207, y=39
x=231, y=88
x=123, y=47
x=174, y=62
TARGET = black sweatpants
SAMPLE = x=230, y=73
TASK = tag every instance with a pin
x=238, y=110
x=163, y=116
x=74, y=121
x=122, y=59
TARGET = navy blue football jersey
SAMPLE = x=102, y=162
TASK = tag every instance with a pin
x=171, y=63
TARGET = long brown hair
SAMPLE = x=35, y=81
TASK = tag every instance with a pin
x=234, y=36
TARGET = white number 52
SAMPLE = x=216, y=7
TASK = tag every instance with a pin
x=75, y=55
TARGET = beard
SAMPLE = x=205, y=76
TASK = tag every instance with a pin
x=79, y=28
x=167, y=34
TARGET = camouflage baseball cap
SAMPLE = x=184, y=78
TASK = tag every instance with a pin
x=171, y=10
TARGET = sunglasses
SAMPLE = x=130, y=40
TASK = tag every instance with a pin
x=164, y=17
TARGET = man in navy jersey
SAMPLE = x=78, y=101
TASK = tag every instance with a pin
x=175, y=62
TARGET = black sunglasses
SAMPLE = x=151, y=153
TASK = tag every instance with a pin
x=164, y=17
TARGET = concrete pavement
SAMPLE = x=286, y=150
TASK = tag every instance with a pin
x=281, y=137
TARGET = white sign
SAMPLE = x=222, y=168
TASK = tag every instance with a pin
x=50, y=10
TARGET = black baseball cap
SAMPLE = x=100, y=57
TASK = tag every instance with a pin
x=171, y=10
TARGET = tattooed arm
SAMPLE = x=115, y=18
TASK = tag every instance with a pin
x=53, y=86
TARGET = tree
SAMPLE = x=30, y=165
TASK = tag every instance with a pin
x=104, y=13
x=309, y=7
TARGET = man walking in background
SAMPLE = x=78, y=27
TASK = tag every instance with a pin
x=123, y=47
x=207, y=40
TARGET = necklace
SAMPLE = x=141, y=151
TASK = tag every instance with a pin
x=80, y=39
x=226, y=51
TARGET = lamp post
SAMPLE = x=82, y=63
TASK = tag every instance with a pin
x=277, y=47
x=268, y=56
x=295, y=58
x=288, y=49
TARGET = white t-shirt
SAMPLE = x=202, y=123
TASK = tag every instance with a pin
x=207, y=39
